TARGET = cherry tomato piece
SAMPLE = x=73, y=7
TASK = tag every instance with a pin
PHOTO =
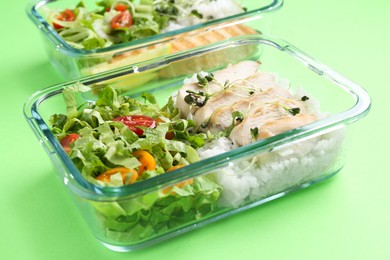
x=122, y=20
x=105, y=176
x=121, y=7
x=66, y=15
x=67, y=140
x=137, y=120
x=147, y=161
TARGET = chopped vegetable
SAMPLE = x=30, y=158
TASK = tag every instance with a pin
x=123, y=21
x=125, y=173
x=180, y=184
x=294, y=111
x=66, y=15
x=175, y=167
x=203, y=80
x=121, y=7
x=136, y=121
x=122, y=132
x=67, y=140
x=109, y=151
x=147, y=161
x=254, y=132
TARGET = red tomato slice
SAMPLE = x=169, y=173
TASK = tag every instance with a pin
x=122, y=20
x=137, y=120
x=67, y=140
x=66, y=15
x=121, y=7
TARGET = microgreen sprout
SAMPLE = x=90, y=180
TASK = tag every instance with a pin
x=204, y=124
x=196, y=14
x=294, y=111
x=237, y=118
x=198, y=99
x=203, y=81
x=254, y=133
x=304, y=98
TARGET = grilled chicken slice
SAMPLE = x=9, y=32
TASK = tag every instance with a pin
x=231, y=73
x=240, y=89
x=284, y=124
x=225, y=98
x=271, y=119
x=241, y=135
x=221, y=118
x=258, y=96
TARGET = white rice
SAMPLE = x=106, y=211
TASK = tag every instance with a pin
x=218, y=9
x=209, y=9
x=268, y=173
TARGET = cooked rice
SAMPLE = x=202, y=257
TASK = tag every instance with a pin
x=272, y=172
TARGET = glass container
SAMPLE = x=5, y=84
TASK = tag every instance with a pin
x=73, y=62
x=150, y=211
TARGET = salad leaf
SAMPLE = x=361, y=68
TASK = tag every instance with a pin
x=157, y=212
x=70, y=101
x=148, y=18
x=93, y=43
x=104, y=144
x=149, y=97
x=108, y=97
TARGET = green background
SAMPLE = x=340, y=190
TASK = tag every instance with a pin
x=347, y=217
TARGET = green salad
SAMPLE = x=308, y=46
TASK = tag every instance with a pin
x=118, y=21
x=118, y=141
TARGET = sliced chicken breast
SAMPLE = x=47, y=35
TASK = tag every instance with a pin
x=221, y=118
x=231, y=73
x=271, y=119
x=264, y=103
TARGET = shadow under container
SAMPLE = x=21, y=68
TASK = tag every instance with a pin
x=141, y=214
x=73, y=63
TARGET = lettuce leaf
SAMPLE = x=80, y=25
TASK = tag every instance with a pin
x=154, y=213
x=104, y=144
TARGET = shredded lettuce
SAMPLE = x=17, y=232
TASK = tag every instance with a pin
x=105, y=144
x=139, y=218
x=92, y=29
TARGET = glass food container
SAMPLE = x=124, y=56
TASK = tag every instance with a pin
x=74, y=62
x=141, y=214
